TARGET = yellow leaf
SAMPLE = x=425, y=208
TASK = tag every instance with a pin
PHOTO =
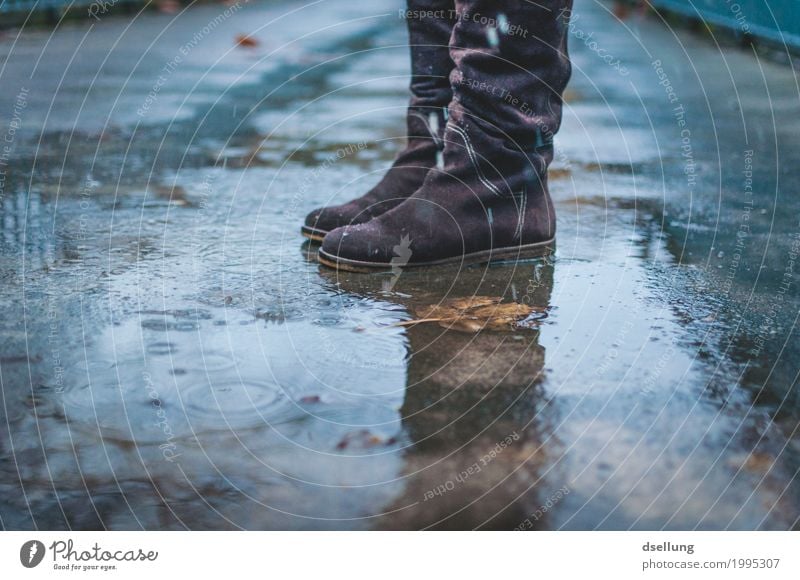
x=473, y=314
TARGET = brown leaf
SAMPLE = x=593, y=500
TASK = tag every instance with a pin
x=473, y=314
x=463, y=324
x=473, y=302
x=362, y=438
x=509, y=309
x=246, y=41
x=758, y=462
x=455, y=308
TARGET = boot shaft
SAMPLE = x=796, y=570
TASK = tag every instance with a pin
x=430, y=26
x=511, y=66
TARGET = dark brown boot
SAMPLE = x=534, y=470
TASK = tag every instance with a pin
x=490, y=200
x=429, y=36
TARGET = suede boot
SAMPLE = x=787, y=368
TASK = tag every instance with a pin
x=489, y=199
x=430, y=24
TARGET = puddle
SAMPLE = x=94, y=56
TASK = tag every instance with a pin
x=176, y=358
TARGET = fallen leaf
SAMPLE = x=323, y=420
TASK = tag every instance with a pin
x=168, y=6
x=176, y=195
x=456, y=307
x=246, y=41
x=361, y=439
x=758, y=462
x=475, y=314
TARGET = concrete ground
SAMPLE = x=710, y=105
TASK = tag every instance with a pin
x=172, y=356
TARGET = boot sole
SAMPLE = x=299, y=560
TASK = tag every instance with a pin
x=495, y=255
x=313, y=234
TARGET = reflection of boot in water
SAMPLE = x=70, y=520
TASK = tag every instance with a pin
x=473, y=407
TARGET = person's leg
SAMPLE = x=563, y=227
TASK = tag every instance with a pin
x=430, y=25
x=490, y=200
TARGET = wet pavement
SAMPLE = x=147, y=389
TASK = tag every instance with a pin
x=172, y=356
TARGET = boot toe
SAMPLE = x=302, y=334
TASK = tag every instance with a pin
x=340, y=243
x=313, y=217
x=321, y=219
x=358, y=243
x=329, y=218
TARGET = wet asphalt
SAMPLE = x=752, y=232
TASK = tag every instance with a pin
x=173, y=357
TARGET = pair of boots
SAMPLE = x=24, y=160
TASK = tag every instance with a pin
x=471, y=183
